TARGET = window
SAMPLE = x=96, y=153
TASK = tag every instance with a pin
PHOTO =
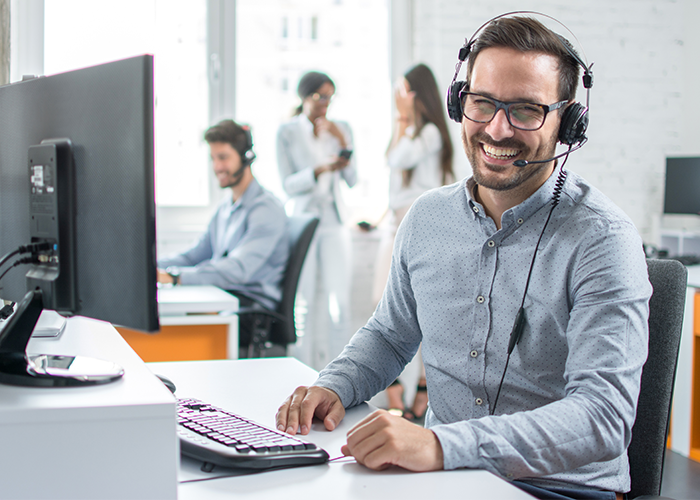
x=268, y=69
x=80, y=33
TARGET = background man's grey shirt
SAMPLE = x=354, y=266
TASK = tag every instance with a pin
x=569, y=397
x=244, y=249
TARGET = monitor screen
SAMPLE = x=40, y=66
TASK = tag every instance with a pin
x=682, y=193
x=100, y=120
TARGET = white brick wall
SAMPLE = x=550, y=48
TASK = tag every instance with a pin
x=637, y=101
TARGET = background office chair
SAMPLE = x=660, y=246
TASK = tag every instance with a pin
x=277, y=328
x=646, y=450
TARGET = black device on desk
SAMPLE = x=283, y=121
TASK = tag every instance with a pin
x=220, y=437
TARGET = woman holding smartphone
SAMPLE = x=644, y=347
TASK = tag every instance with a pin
x=420, y=158
x=314, y=155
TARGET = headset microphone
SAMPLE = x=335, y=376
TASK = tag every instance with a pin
x=524, y=163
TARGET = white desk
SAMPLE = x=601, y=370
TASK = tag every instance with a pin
x=200, y=305
x=256, y=388
x=195, y=324
x=112, y=441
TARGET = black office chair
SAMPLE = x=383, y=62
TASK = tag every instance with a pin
x=277, y=328
x=646, y=450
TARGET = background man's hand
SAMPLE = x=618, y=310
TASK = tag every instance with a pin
x=299, y=409
x=164, y=277
x=381, y=440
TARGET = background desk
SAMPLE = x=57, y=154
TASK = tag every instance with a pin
x=192, y=326
x=685, y=416
x=256, y=388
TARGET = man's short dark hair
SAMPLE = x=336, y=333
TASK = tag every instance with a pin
x=231, y=133
x=527, y=34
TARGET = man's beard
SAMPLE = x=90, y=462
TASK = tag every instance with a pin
x=480, y=169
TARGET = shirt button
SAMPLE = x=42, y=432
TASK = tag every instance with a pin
x=491, y=243
x=480, y=299
x=479, y=401
x=474, y=354
x=476, y=210
x=520, y=220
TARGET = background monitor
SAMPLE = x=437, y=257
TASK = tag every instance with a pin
x=682, y=192
x=103, y=117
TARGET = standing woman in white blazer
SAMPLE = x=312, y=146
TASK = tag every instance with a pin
x=419, y=158
x=313, y=159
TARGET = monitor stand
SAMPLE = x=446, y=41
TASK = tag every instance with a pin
x=45, y=370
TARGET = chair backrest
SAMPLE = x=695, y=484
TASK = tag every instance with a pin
x=300, y=229
x=646, y=450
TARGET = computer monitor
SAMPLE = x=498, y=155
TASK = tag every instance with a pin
x=682, y=193
x=77, y=182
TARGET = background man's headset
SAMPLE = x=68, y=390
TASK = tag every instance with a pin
x=574, y=120
x=247, y=156
x=572, y=133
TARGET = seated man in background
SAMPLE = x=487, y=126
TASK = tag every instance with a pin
x=556, y=412
x=245, y=247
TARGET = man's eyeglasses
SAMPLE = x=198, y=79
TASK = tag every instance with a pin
x=323, y=99
x=521, y=115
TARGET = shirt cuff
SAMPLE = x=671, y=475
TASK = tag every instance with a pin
x=459, y=446
x=338, y=384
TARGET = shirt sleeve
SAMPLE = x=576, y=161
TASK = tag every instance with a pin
x=265, y=227
x=409, y=151
x=202, y=250
x=607, y=338
x=296, y=179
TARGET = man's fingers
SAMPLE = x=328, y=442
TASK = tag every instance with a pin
x=335, y=414
x=281, y=417
x=299, y=409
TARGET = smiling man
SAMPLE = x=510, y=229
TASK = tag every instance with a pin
x=245, y=247
x=553, y=411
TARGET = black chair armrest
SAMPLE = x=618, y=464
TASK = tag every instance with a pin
x=259, y=310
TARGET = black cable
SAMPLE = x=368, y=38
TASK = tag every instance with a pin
x=32, y=247
x=519, y=323
x=19, y=262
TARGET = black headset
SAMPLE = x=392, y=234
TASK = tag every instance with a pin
x=574, y=120
x=247, y=156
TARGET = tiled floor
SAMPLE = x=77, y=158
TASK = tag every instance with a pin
x=681, y=479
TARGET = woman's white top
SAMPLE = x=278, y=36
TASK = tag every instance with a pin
x=420, y=154
x=299, y=152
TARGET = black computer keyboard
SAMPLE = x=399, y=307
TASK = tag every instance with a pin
x=219, y=437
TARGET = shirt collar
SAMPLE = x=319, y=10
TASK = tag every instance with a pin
x=252, y=191
x=525, y=210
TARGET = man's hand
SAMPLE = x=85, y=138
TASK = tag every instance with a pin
x=299, y=409
x=164, y=277
x=381, y=440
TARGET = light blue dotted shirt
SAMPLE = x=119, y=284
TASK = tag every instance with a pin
x=569, y=397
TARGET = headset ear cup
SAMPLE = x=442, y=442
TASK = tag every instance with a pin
x=454, y=107
x=574, y=122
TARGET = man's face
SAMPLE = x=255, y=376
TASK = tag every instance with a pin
x=226, y=161
x=510, y=75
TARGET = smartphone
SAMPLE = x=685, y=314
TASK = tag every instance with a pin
x=345, y=153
